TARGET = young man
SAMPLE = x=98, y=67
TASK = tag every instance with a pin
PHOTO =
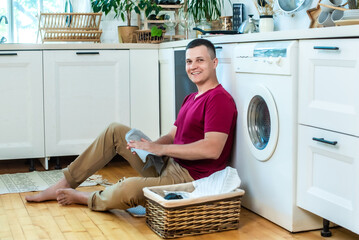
x=198, y=145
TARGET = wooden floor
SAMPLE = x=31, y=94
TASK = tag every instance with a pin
x=49, y=220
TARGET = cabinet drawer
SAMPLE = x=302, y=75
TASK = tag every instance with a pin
x=328, y=176
x=328, y=84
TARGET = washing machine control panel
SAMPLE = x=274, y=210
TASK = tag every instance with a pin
x=266, y=57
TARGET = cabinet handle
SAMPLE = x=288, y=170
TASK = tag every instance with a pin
x=87, y=53
x=218, y=47
x=325, y=48
x=8, y=54
x=322, y=140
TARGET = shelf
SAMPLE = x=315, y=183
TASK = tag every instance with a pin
x=155, y=21
x=165, y=7
x=171, y=6
x=174, y=36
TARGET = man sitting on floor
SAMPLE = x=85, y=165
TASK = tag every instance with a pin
x=198, y=145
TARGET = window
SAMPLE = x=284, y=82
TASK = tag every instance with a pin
x=22, y=18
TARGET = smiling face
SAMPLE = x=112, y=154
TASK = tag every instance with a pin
x=200, y=67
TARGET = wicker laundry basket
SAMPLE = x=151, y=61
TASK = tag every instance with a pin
x=70, y=27
x=187, y=217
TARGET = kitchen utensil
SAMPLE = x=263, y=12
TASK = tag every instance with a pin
x=248, y=26
x=325, y=19
x=337, y=15
x=293, y=5
x=204, y=32
x=313, y=14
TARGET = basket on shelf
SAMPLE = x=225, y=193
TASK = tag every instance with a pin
x=144, y=36
x=70, y=27
x=187, y=217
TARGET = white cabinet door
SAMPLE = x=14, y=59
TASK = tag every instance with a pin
x=21, y=105
x=144, y=88
x=328, y=84
x=167, y=89
x=328, y=176
x=84, y=92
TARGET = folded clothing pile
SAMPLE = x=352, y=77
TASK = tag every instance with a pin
x=224, y=181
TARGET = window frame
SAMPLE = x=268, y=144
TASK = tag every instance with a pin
x=10, y=16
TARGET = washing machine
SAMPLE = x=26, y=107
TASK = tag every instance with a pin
x=265, y=152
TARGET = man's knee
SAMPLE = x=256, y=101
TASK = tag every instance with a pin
x=116, y=128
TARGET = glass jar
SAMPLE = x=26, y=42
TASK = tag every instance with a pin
x=204, y=25
x=226, y=22
x=266, y=23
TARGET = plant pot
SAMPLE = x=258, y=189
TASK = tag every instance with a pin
x=126, y=34
x=266, y=23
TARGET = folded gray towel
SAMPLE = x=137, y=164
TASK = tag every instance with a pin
x=148, y=158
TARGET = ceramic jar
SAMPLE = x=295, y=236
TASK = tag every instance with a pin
x=266, y=23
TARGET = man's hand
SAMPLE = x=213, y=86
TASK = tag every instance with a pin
x=147, y=146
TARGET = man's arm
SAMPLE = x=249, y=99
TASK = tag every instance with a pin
x=168, y=138
x=210, y=147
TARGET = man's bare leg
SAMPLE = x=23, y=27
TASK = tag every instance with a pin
x=49, y=193
x=67, y=196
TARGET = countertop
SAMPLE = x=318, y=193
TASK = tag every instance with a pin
x=312, y=33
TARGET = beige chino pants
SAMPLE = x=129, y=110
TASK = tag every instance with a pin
x=126, y=193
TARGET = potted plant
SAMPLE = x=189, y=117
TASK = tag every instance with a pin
x=204, y=10
x=123, y=9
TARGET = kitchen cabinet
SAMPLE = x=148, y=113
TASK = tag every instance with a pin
x=144, y=91
x=328, y=85
x=84, y=92
x=328, y=132
x=167, y=89
x=21, y=105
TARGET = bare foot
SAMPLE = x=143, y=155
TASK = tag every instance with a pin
x=69, y=196
x=49, y=193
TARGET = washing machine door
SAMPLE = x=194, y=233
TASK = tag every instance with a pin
x=261, y=122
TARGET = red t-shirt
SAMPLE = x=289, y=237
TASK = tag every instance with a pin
x=213, y=111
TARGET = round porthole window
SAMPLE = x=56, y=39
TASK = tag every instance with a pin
x=259, y=122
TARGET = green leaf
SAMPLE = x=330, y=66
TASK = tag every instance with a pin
x=147, y=12
x=156, y=32
x=137, y=10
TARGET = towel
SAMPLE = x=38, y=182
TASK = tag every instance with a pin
x=148, y=158
x=224, y=181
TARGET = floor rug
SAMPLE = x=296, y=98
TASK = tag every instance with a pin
x=37, y=181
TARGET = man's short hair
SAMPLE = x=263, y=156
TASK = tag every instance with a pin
x=203, y=42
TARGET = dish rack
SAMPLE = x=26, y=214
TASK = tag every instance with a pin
x=144, y=36
x=70, y=27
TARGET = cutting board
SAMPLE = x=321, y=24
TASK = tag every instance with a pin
x=313, y=14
